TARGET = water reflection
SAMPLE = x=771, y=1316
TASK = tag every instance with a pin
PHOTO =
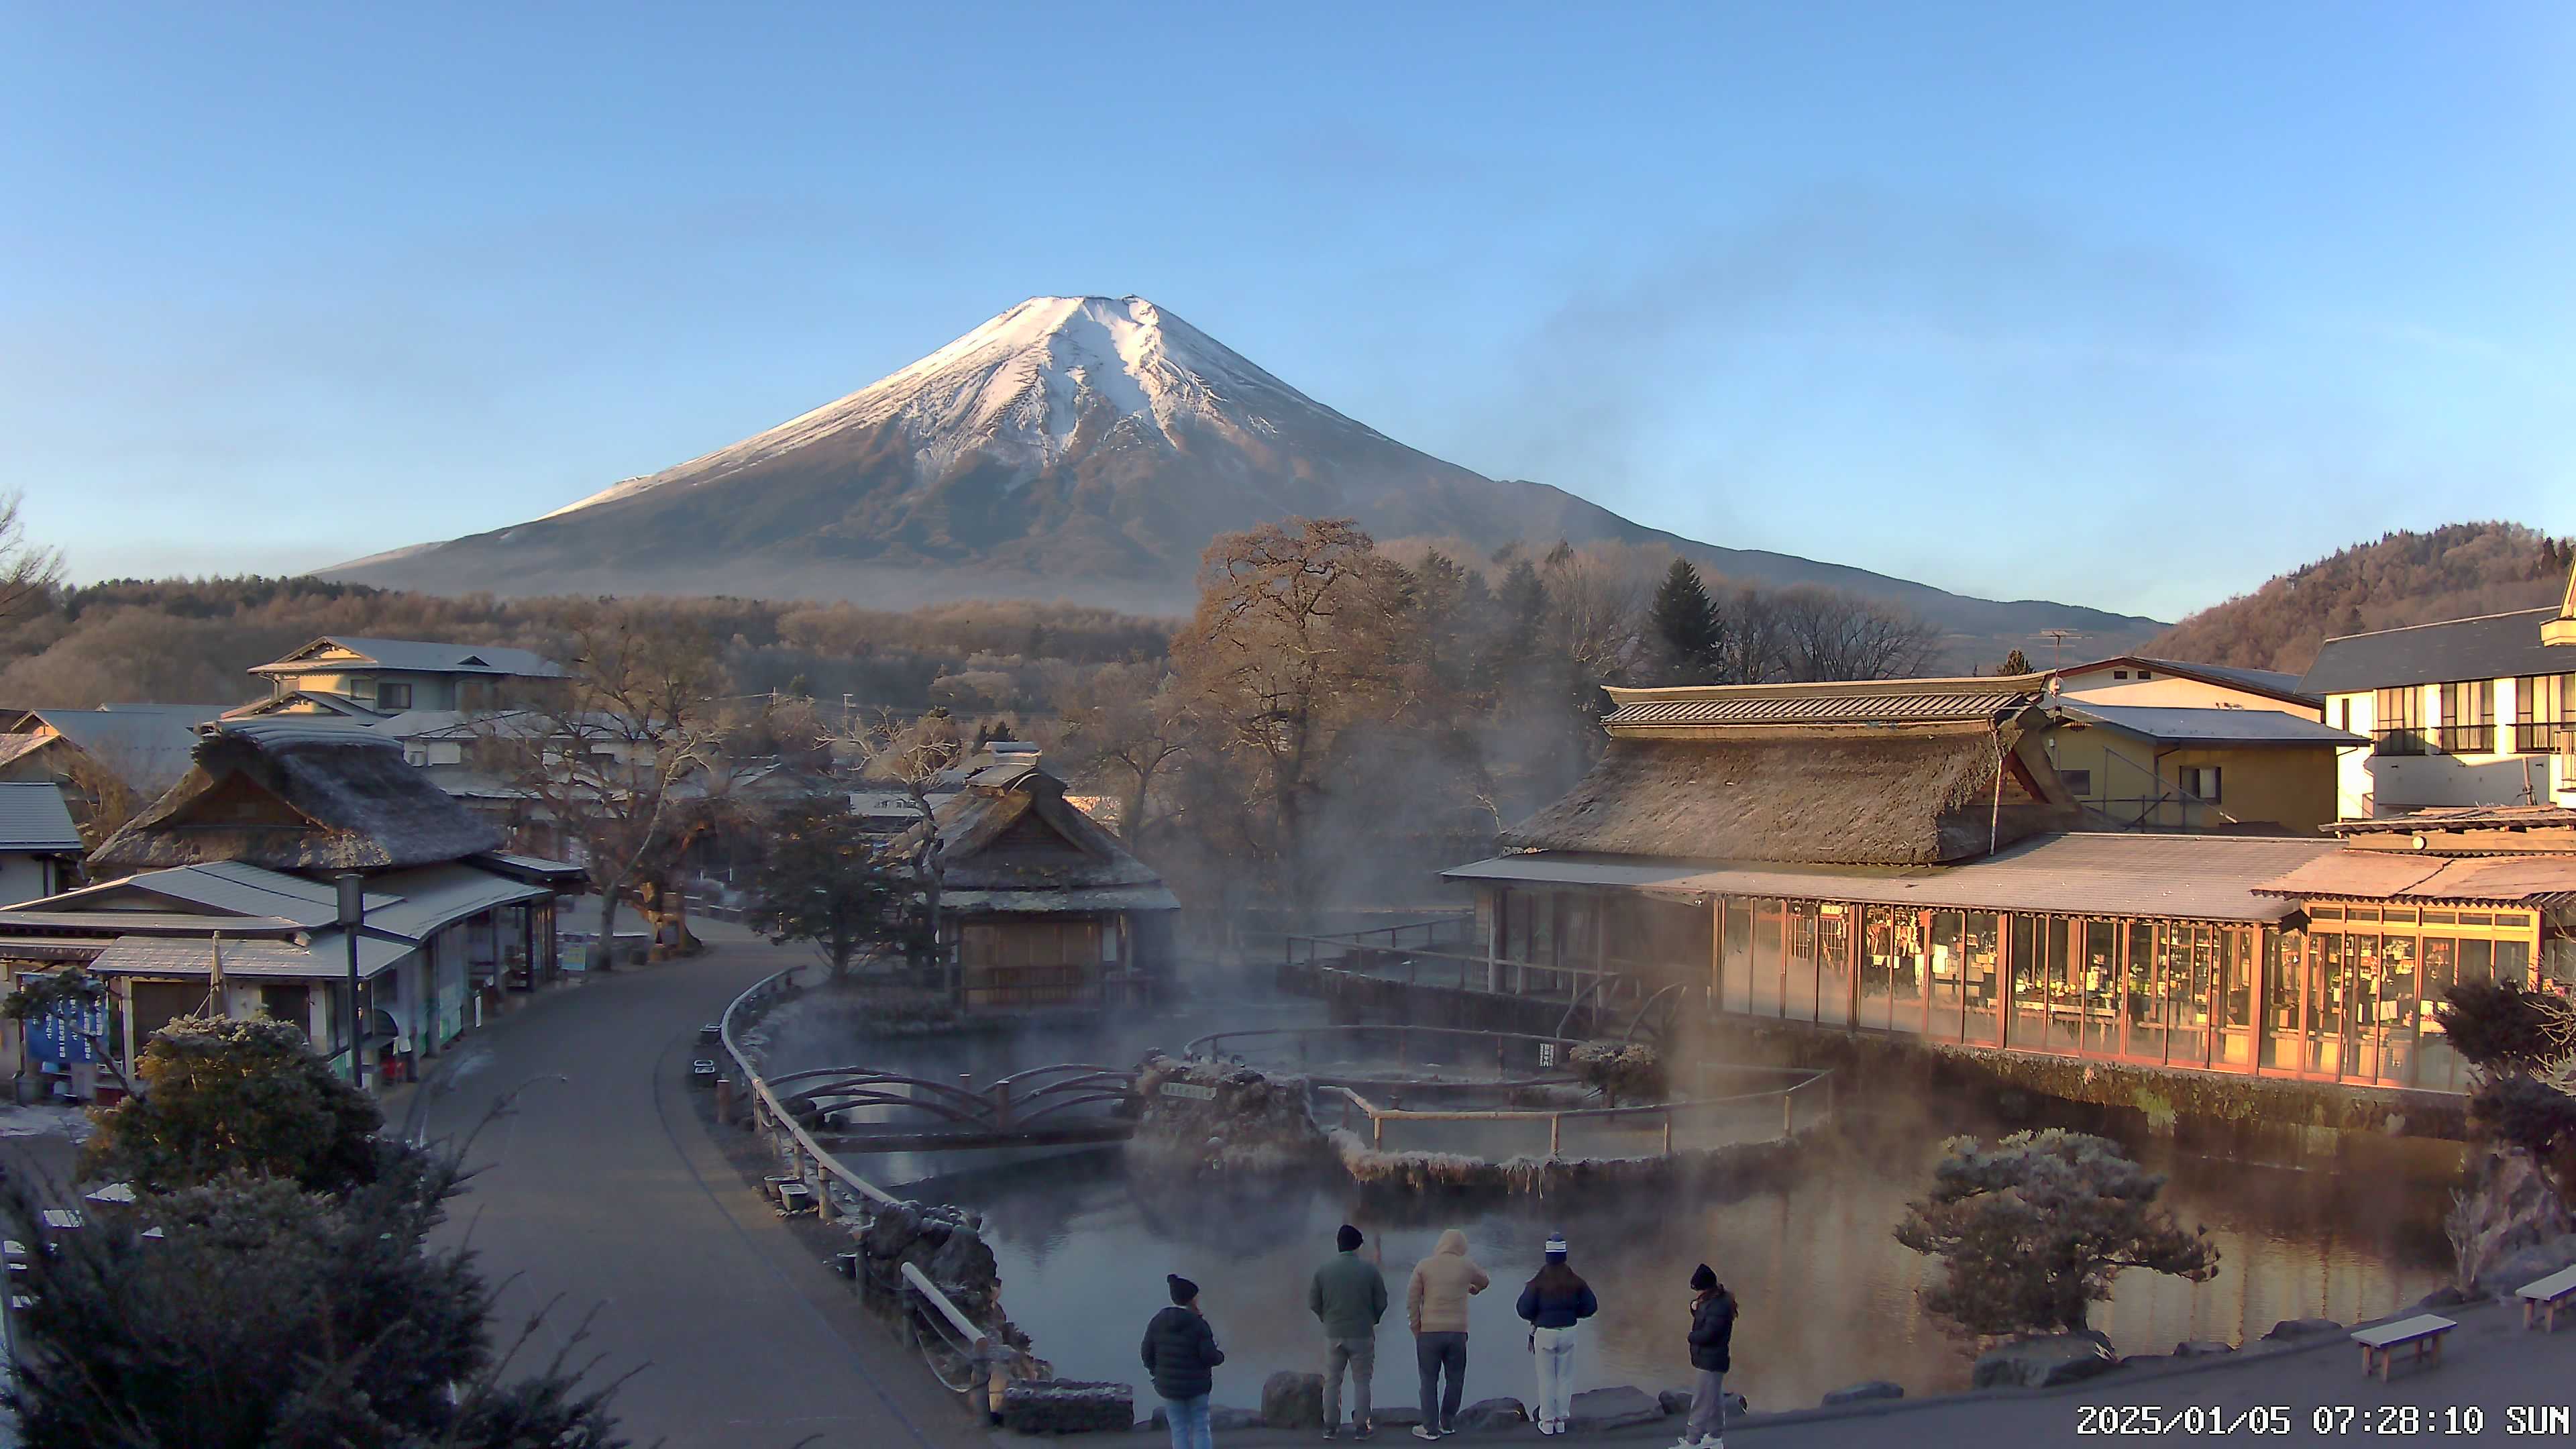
x=1828, y=1296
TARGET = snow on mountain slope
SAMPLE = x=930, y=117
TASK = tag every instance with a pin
x=1075, y=448
x=1020, y=387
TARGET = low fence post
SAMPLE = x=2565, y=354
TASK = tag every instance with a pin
x=1668, y=1134
x=1555, y=1134
x=1002, y=1106
x=1788, y=1114
x=1377, y=1131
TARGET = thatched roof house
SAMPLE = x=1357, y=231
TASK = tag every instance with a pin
x=1043, y=907
x=298, y=795
x=1900, y=773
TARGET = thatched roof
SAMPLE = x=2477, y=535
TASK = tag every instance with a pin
x=286, y=797
x=1917, y=795
x=1011, y=829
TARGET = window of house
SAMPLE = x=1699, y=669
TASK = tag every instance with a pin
x=2078, y=782
x=2543, y=705
x=2200, y=781
x=2146, y=674
x=2398, y=721
x=390, y=695
x=2343, y=715
x=2468, y=718
x=2119, y=674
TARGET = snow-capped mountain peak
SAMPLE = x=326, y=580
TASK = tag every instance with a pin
x=1028, y=387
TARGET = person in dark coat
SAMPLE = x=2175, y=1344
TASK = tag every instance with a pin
x=1712, y=1330
x=1180, y=1356
x=1552, y=1304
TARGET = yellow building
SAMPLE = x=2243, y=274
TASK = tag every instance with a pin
x=2229, y=771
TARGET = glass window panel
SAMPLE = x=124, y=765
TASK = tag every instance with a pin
x=2182, y=957
x=2146, y=1002
x=2101, y=969
x=2287, y=972
x=1947, y=967
x=2325, y=1003
x=1768, y=949
x=2477, y=961
x=1834, y=962
x=1737, y=988
x=1983, y=983
x=2361, y=1007
x=1905, y=989
x=1877, y=965
x=2513, y=962
x=2029, y=986
x=2235, y=1044
x=1798, y=996
x=2396, y=1007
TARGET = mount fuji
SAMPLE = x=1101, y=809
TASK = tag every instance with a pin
x=1075, y=448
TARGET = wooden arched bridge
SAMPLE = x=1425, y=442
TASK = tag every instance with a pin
x=863, y=1109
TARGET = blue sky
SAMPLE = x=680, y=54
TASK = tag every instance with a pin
x=2128, y=309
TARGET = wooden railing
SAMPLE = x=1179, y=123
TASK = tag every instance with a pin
x=1815, y=1084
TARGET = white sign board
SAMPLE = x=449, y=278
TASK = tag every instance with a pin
x=1547, y=1054
x=1186, y=1089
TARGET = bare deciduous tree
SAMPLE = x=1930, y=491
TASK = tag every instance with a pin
x=1122, y=722
x=909, y=753
x=29, y=574
x=628, y=759
x=1828, y=634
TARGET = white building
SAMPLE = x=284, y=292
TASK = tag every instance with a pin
x=2467, y=712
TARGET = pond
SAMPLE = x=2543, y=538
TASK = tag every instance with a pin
x=1828, y=1296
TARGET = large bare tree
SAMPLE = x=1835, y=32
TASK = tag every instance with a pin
x=1123, y=723
x=627, y=758
x=1298, y=634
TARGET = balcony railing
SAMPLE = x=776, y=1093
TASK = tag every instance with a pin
x=2477, y=739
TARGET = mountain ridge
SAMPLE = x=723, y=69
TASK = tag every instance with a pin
x=1075, y=448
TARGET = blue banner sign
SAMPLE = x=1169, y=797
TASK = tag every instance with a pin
x=62, y=1032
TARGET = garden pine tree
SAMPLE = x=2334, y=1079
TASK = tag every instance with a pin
x=1684, y=623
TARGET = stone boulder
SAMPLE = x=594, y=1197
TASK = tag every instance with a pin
x=1490, y=1414
x=2044, y=1361
x=1862, y=1393
x=1291, y=1400
x=1063, y=1406
x=1597, y=1410
x=2290, y=1328
x=2528, y=1264
x=2202, y=1348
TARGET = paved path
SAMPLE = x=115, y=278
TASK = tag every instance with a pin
x=2311, y=1394
x=606, y=1189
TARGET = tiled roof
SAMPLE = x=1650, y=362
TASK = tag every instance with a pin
x=1872, y=708
x=2166, y=877
x=34, y=818
x=417, y=654
x=2496, y=646
x=326, y=959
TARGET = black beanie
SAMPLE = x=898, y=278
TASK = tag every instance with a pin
x=1183, y=1290
x=1702, y=1279
x=1348, y=1238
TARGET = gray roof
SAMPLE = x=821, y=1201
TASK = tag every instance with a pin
x=2260, y=681
x=225, y=888
x=148, y=746
x=2182, y=724
x=326, y=959
x=34, y=818
x=2494, y=646
x=432, y=897
x=1106, y=898
x=416, y=654
x=2166, y=877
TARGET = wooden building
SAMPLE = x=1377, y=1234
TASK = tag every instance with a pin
x=220, y=898
x=1896, y=858
x=1040, y=906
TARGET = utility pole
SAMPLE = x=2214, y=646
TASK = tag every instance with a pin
x=352, y=916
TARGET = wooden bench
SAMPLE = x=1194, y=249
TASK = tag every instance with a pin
x=2424, y=1331
x=2547, y=1296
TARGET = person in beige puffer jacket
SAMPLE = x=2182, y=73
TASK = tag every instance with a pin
x=1435, y=1302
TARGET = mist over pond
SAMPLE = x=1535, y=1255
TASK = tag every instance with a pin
x=1828, y=1296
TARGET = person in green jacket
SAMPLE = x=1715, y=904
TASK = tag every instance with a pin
x=1349, y=1297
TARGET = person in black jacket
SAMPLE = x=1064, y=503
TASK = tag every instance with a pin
x=1553, y=1303
x=1180, y=1352
x=1712, y=1330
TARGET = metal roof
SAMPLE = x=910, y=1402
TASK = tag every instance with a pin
x=327, y=959
x=2183, y=724
x=433, y=896
x=2461, y=817
x=2531, y=880
x=2259, y=681
x=148, y=746
x=417, y=654
x=2494, y=646
x=167, y=923
x=33, y=817
x=1872, y=708
x=2171, y=877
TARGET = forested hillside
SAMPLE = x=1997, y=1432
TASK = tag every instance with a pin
x=2452, y=572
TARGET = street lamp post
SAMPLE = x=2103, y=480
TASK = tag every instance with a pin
x=353, y=915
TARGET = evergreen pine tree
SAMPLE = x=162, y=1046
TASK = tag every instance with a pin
x=2015, y=663
x=1685, y=623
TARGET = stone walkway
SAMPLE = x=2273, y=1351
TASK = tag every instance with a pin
x=2304, y=1392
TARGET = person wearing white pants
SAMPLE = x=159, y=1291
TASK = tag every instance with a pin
x=1553, y=1303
